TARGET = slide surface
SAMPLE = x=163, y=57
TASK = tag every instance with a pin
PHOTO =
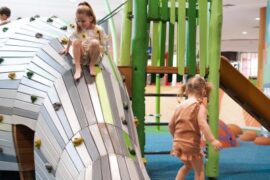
x=239, y=88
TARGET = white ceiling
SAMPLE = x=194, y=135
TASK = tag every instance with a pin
x=236, y=19
x=240, y=18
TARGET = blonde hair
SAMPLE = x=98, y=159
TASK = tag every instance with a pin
x=196, y=85
x=85, y=8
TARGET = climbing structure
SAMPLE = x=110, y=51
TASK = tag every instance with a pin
x=54, y=127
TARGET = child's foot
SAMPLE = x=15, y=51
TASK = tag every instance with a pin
x=92, y=70
x=77, y=74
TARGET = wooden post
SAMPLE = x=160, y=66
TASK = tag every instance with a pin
x=24, y=143
x=126, y=71
x=261, y=50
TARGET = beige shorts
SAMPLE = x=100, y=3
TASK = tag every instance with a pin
x=85, y=60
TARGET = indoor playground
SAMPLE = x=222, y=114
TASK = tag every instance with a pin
x=113, y=124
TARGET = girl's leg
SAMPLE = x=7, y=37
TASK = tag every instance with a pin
x=94, y=53
x=77, y=52
x=198, y=167
x=183, y=171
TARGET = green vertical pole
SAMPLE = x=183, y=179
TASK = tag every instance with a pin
x=156, y=62
x=162, y=43
x=153, y=9
x=126, y=35
x=171, y=38
x=158, y=100
x=114, y=33
x=208, y=27
x=191, y=49
x=155, y=47
x=203, y=24
x=181, y=36
x=139, y=58
x=214, y=56
x=172, y=12
x=155, y=42
x=171, y=49
x=164, y=12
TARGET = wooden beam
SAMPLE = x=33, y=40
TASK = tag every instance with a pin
x=167, y=70
x=24, y=143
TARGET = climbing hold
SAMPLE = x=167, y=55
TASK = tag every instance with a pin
x=39, y=35
x=54, y=16
x=136, y=121
x=144, y=160
x=30, y=74
x=64, y=41
x=57, y=106
x=12, y=75
x=132, y=151
x=5, y=29
x=33, y=99
x=63, y=28
x=130, y=16
x=1, y=118
x=49, y=20
x=1, y=60
x=32, y=19
x=37, y=16
x=77, y=141
x=18, y=18
x=48, y=167
x=72, y=26
x=124, y=121
x=125, y=105
x=123, y=78
x=38, y=143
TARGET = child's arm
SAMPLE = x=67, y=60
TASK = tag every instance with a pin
x=102, y=39
x=4, y=22
x=204, y=127
x=102, y=36
x=66, y=50
x=72, y=37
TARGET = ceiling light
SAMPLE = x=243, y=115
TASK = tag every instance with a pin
x=244, y=32
x=257, y=19
x=228, y=5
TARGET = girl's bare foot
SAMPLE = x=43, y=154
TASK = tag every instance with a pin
x=92, y=70
x=77, y=74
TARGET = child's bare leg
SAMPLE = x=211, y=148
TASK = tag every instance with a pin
x=183, y=171
x=77, y=52
x=198, y=167
x=94, y=53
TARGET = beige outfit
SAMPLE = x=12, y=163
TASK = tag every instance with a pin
x=185, y=128
x=86, y=36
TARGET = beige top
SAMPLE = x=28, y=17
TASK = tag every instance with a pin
x=87, y=35
x=186, y=125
